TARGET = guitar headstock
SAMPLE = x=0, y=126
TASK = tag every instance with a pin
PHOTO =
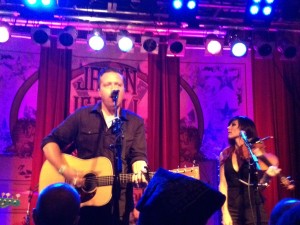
x=288, y=183
x=188, y=171
x=6, y=200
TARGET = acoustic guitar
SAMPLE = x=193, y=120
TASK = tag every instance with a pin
x=97, y=188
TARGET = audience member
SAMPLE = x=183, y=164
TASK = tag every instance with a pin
x=281, y=207
x=290, y=217
x=57, y=204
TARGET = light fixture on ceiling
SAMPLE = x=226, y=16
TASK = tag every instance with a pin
x=96, y=39
x=4, y=32
x=287, y=49
x=238, y=47
x=125, y=41
x=262, y=10
x=41, y=5
x=213, y=45
x=41, y=35
x=149, y=44
x=176, y=47
x=264, y=49
x=68, y=36
x=184, y=11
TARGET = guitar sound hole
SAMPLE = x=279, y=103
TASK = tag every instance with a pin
x=90, y=183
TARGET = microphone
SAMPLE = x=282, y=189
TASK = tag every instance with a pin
x=244, y=136
x=114, y=94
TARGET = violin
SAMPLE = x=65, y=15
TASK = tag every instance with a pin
x=265, y=160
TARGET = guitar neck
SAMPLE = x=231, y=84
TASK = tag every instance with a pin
x=109, y=180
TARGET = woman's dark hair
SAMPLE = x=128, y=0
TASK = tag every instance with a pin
x=247, y=125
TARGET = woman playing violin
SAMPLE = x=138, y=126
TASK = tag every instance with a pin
x=241, y=179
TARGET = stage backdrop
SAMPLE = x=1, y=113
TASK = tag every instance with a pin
x=212, y=90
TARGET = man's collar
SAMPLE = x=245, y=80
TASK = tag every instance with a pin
x=97, y=108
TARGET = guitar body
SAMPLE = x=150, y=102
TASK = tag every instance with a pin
x=92, y=195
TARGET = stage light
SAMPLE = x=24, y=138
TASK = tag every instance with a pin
x=149, y=44
x=267, y=10
x=184, y=11
x=254, y=9
x=46, y=2
x=176, y=47
x=31, y=2
x=68, y=36
x=41, y=35
x=213, y=45
x=125, y=42
x=270, y=1
x=264, y=49
x=236, y=41
x=4, y=32
x=96, y=39
x=287, y=49
x=239, y=49
x=260, y=10
x=40, y=5
x=177, y=4
x=191, y=4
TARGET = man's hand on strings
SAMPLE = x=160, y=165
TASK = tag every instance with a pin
x=73, y=176
x=139, y=170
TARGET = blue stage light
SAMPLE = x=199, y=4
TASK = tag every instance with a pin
x=267, y=10
x=40, y=5
x=191, y=4
x=46, y=2
x=238, y=49
x=260, y=11
x=269, y=1
x=177, y=4
x=254, y=9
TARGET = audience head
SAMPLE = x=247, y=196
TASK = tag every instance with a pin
x=291, y=216
x=57, y=204
x=281, y=207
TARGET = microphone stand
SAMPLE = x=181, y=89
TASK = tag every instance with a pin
x=117, y=150
x=253, y=157
x=253, y=170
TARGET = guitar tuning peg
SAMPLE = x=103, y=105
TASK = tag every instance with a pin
x=18, y=196
x=194, y=162
x=7, y=195
x=3, y=194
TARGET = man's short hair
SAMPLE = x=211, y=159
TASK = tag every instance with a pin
x=57, y=204
x=109, y=69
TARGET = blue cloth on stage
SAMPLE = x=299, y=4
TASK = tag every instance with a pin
x=176, y=199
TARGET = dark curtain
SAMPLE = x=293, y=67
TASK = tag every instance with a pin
x=163, y=110
x=52, y=103
x=276, y=86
